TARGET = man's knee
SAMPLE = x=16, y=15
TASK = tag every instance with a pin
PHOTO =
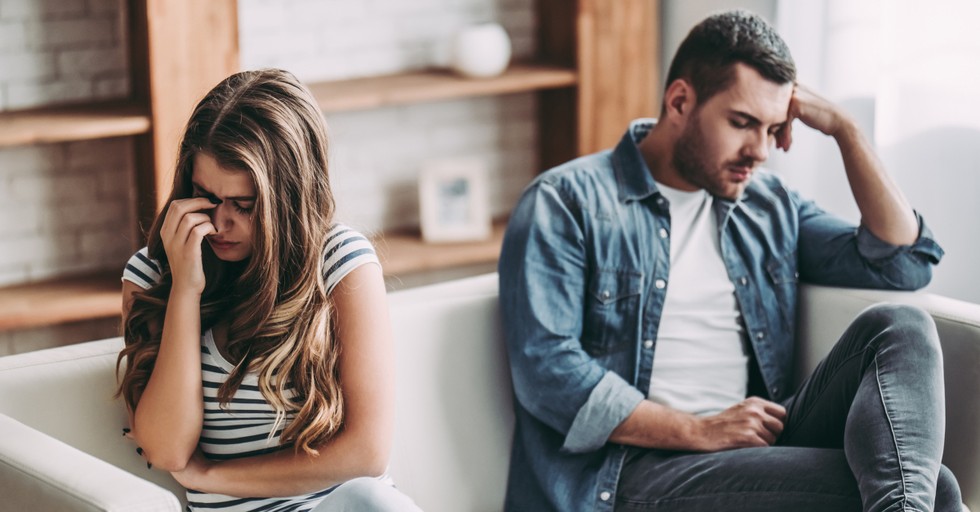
x=948, y=496
x=370, y=494
x=908, y=327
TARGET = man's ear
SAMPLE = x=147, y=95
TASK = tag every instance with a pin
x=679, y=99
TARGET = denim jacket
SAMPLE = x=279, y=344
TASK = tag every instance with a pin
x=583, y=274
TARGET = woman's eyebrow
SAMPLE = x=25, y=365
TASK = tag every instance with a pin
x=212, y=194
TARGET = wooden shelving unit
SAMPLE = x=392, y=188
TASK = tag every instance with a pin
x=436, y=85
x=60, y=301
x=73, y=122
x=585, y=74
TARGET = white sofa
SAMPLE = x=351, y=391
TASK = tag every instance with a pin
x=61, y=446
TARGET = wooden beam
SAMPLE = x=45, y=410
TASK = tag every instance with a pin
x=181, y=49
x=618, y=63
x=558, y=119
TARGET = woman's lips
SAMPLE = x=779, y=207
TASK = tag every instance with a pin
x=221, y=244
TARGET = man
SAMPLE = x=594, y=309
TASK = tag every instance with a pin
x=648, y=290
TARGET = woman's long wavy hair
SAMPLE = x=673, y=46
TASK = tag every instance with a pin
x=265, y=123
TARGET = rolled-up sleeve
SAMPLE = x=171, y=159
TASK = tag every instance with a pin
x=837, y=253
x=542, y=291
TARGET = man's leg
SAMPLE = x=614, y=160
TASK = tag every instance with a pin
x=879, y=396
x=873, y=408
x=744, y=480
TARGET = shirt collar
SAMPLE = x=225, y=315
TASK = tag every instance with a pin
x=633, y=177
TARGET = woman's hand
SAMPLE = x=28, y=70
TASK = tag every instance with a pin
x=183, y=232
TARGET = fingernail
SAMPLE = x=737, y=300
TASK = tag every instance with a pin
x=149, y=466
x=139, y=451
x=125, y=431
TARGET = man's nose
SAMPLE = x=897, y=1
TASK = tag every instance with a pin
x=757, y=147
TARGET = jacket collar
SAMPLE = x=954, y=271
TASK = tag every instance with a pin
x=633, y=177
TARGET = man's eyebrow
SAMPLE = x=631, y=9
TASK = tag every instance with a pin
x=746, y=116
x=754, y=120
x=233, y=198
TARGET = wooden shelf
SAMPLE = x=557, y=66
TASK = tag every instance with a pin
x=435, y=85
x=74, y=122
x=61, y=301
x=405, y=252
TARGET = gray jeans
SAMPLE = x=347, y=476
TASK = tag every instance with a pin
x=864, y=432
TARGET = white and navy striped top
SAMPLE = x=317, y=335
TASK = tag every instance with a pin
x=242, y=428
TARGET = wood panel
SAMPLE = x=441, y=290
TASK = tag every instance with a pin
x=618, y=63
x=60, y=301
x=558, y=120
x=435, y=85
x=181, y=48
x=72, y=122
x=404, y=252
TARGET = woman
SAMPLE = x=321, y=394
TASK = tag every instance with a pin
x=258, y=349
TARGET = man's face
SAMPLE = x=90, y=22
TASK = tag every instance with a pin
x=728, y=135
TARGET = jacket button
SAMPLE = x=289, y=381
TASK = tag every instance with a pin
x=605, y=294
x=660, y=284
x=663, y=233
x=775, y=391
x=760, y=335
x=743, y=281
x=604, y=496
x=647, y=343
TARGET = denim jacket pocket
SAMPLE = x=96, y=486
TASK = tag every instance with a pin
x=783, y=277
x=612, y=311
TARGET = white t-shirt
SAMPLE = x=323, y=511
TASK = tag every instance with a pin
x=700, y=364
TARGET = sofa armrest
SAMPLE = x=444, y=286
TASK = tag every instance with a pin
x=825, y=312
x=38, y=472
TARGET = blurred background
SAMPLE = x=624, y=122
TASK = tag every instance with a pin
x=93, y=94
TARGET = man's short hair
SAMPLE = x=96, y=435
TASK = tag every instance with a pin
x=707, y=56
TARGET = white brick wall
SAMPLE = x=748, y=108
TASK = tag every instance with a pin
x=376, y=154
x=64, y=208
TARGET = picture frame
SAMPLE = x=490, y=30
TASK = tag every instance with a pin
x=453, y=201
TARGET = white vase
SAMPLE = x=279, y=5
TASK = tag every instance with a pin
x=480, y=51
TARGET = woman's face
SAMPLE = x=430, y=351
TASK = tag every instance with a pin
x=232, y=217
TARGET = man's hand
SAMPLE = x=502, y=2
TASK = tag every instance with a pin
x=815, y=112
x=752, y=422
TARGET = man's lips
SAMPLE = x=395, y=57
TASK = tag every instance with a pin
x=741, y=172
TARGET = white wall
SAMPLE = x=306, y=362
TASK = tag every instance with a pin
x=64, y=208
x=376, y=154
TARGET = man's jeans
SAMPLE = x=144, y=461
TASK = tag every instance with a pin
x=864, y=432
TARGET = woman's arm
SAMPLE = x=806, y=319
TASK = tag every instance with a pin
x=168, y=417
x=363, y=446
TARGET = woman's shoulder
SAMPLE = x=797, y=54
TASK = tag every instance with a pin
x=345, y=250
x=142, y=270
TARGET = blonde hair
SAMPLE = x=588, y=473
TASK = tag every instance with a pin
x=265, y=123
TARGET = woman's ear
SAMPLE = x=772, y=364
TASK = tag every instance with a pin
x=679, y=99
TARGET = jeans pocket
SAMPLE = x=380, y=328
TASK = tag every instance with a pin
x=612, y=311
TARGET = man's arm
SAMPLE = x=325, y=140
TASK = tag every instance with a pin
x=884, y=210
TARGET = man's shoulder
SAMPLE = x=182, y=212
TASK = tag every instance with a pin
x=582, y=173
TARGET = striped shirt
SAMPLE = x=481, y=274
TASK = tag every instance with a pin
x=242, y=427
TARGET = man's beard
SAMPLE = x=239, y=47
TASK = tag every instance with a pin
x=691, y=159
